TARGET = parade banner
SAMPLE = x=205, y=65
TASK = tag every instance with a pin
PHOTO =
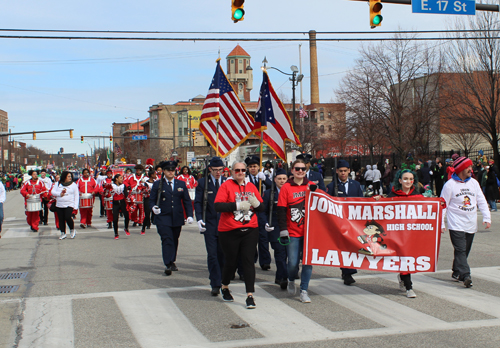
x=400, y=234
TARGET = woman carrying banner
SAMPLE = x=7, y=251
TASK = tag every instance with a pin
x=238, y=201
x=405, y=184
x=291, y=206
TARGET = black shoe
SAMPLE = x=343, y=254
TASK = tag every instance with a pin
x=168, y=270
x=110, y=226
x=148, y=227
x=250, y=302
x=82, y=226
x=173, y=267
x=226, y=295
x=101, y=216
x=348, y=279
x=284, y=284
x=215, y=291
x=45, y=223
x=468, y=282
x=455, y=277
x=265, y=267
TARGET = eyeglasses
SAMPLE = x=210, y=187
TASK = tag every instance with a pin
x=217, y=170
x=240, y=170
x=300, y=169
x=408, y=179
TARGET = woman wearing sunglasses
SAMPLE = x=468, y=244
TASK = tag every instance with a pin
x=291, y=216
x=237, y=201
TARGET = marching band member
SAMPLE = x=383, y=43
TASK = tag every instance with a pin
x=48, y=185
x=32, y=187
x=105, y=188
x=67, y=199
x=149, y=164
x=169, y=217
x=135, y=185
x=186, y=176
x=147, y=207
x=100, y=178
x=119, y=192
x=86, y=185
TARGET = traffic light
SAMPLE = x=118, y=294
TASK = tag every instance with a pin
x=111, y=139
x=34, y=135
x=194, y=135
x=237, y=10
x=81, y=140
x=375, y=13
x=71, y=134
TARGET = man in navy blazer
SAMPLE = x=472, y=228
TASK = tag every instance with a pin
x=169, y=215
x=311, y=175
x=209, y=226
x=345, y=188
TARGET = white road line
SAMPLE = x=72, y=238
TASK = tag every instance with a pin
x=155, y=320
x=374, y=307
x=26, y=233
x=47, y=322
x=487, y=273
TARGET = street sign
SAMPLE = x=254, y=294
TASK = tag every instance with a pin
x=453, y=7
x=189, y=155
x=175, y=154
x=139, y=137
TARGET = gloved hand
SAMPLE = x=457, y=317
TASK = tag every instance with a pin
x=245, y=206
x=269, y=228
x=284, y=234
x=261, y=176
x=190, y=220
x=156, y=210
x=284, y=238
x=313, y=187
x=201, y=226
x=253, y=201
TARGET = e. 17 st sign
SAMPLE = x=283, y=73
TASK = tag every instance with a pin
x=453, y=7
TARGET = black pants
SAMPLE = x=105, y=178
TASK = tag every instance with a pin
x=44, y=213
x=239, y=243
x=147, y=214
x=102, y=211
x=117, y=207
x=406, y=278
x=65, y=217
x=462, y=243
x=169, y=242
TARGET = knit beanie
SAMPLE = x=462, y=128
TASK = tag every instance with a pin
x=461, y=163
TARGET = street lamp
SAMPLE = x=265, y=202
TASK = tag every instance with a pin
x=138, y=144
x=295, y=82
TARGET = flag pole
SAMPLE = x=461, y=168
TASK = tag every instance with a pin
x=217, y=144
x=260, y=155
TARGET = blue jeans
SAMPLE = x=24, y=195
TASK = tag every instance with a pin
x=294, y=251
x=493, y=204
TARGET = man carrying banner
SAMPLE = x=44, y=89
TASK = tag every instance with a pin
x=310, y=174
x=345, y=188
x=463, y=196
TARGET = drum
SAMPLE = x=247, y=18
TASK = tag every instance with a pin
x=34, y=203
x=192, y=193
x=108, y=203
x=86, y=200
x=139, y=198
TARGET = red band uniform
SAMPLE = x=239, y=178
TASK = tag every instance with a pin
x=87, y=186
x=32, y=187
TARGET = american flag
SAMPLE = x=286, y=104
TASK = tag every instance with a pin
x=223, y=105
x=303, y=113
x=273, y=119
x=118, y=150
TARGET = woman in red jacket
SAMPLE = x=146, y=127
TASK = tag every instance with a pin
x=238, y=203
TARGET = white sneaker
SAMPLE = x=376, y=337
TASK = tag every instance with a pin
x=410, y=293
x=63, y=236
x=402, y=286
x=304, y=298
x=73, y=234
x=291, y=287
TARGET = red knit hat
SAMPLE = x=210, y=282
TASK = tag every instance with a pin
x=461, y=163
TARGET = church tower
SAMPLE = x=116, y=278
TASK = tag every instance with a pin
x=239, y=72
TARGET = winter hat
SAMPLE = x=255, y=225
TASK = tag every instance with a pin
x=454, y=156
x=461, y=163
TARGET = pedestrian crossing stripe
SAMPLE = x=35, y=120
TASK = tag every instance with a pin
x=156, y=321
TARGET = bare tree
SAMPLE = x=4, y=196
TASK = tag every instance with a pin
x=475, y=86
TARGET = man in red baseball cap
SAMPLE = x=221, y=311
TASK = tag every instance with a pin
x=463, y=196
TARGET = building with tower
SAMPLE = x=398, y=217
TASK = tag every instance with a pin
x=240, y=73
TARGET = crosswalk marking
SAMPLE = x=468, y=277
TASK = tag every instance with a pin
x=155, y=319
x=489, y=273
x=48, y=322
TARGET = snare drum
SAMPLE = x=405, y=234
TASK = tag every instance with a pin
x=34, y=203
x=86, y=200
x=192, y=193
x=139, y=198
x=108, y=203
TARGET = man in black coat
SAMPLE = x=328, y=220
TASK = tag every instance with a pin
x=169, y=215
x=273, y=231
x=209, y=226
x=310, y=174
x=345, y=188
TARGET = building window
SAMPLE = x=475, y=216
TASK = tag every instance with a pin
x=186, y=131
x=321, y=116
x=330, y=115
x=241, y=71
x=180, y=131
x=322, y=129
x=241, y=61
x=232, y=61
x=330, y=128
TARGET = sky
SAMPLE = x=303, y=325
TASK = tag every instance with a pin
x=87, y=85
